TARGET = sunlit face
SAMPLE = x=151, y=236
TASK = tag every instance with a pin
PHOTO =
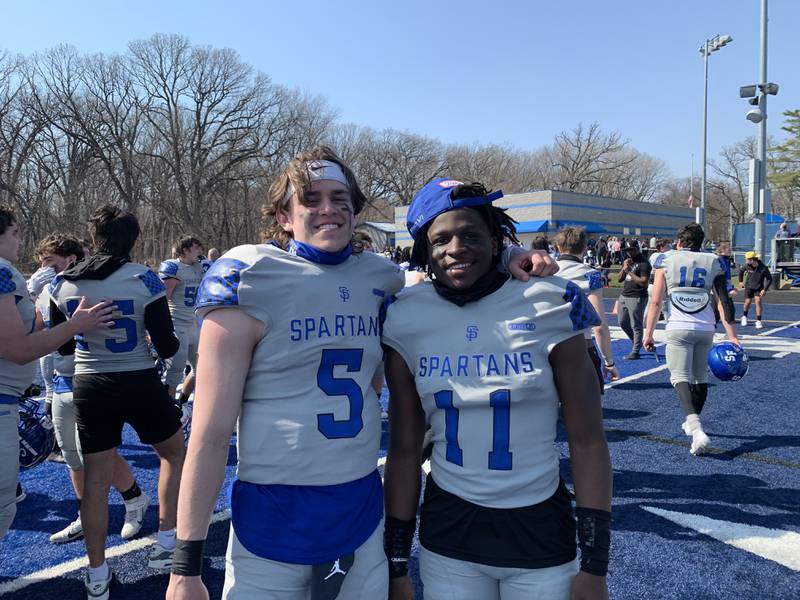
x=9, y=243
x=192, y=255
x=326, y=220
x=59, y=263
x=460, y=248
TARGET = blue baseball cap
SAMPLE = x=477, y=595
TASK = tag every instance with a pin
x=434, y=199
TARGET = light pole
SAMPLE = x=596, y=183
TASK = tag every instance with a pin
x=711, y=45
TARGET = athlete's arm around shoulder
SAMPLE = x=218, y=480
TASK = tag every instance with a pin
x=227, y=341
x=579, y=392
x=21, y=347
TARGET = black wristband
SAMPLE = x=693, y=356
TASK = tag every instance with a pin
x=188, y=557
x=594, y=539
x=397, y=538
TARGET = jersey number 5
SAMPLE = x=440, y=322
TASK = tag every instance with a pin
x=333, y=386
x=500, y=457
x=128, y=325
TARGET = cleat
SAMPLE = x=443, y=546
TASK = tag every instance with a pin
x=98, y=590
x=700, y=442
x=743, y=321
x=70, y=533
x=134, y=515
x=633, y=356
x=686, y=429
x=759, y=325
x=160, y=558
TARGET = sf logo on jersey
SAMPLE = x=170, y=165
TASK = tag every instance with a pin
x=344, y=294
x=472, y=332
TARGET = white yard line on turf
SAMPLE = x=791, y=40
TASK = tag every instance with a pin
x=777, y=329
x=78, y=563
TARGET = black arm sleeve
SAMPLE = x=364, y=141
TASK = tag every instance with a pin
x=158, y=323
x=721, y=289
x=56, y=318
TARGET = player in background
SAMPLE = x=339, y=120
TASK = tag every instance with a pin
x=116, y=383
x=21, y=344
x=571, y=243
x=289, y=345
x=486, y=361
x=755, y=278
x=59, y=252
x=688, y=276
x=182, y=277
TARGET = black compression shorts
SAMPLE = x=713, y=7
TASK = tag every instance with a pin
x=104, y=402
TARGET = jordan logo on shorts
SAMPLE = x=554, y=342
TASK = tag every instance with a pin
x=335, y=570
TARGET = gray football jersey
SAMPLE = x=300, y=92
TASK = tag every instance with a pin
x=63, y=365
x=690, y=278
x=309, y=414
x=584, y=276
x=14, y=378
x=124, y=346
x=184, y=297
x=484, y=378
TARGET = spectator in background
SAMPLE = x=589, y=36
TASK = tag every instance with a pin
x=783, y=232
x=213, y=254
x=540, y=242
x=635, y=272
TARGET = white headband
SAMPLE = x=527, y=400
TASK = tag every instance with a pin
x=319, y=170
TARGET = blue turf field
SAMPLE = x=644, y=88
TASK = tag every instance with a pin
x=671, y=510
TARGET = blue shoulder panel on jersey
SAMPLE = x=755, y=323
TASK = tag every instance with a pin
x=152, y=282
x=220, y=285
x=51, y=287
x=595, y=280
x=582, y=313
x=7, y=284
x=382, y=310
x=659, y=261
x=167, y=269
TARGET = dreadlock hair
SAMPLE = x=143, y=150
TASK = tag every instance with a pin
x=501, y=226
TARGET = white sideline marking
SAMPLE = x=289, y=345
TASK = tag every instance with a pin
x=780, y=355
x=777, y=545
x=777, y=329
x=79, y=563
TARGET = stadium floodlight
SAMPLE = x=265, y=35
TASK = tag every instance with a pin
x=710, y=45
x=747, y=91
x=769, y=88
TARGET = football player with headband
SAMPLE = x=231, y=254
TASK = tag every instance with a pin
x=181, y=277
x=20, y=347
x=485, y=362
x=59, y=252
x=116, y=383
x=688, y=277
x=289, y=344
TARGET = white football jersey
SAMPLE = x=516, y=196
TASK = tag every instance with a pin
x=690, y=278
x=584, y=276
x=63, y=365
x=14, y=378
x=309, y=414
x=123, y=347
x=184, y=296
x=484, y=378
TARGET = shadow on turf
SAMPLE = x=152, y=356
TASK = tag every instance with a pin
x=755, y=444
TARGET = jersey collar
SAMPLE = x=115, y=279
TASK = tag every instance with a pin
x=319, y=256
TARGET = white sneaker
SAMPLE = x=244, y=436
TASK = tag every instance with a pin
x=686, y=429
x=700, y=442
x=160, y=558
x=759, y=325
x=98, y=590
x=134, y=515
x=743, y=321
x=70, y=533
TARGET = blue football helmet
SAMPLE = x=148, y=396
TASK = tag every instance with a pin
x=728, y=361
x=36, y=434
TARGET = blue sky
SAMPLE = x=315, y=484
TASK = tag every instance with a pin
x=515, y=72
